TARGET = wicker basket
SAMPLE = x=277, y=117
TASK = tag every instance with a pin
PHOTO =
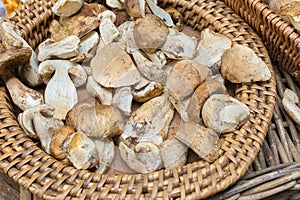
x=45, y=177
x=281, y=39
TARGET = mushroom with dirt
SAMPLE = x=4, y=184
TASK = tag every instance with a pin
x=62, y=77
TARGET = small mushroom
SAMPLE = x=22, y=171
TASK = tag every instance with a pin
x=107, y=28
x=150, y=33
x=112, y=67
x=240, y=64
x=106, y=152
x=181, y=107
x=289, y=101
x=21, y=95
x=148, y=92
x=149, y=123
x=38, y=122
x=60, y=91
x=135, y=8
x=122, y=99
x=211, y=47
x=65, y=48
x=177, y=18
x=115, y=4
x=224, y=113
x=81, y=151
x=66, y=8
x=143, y=158
x=178, y=157
x=179, y=45
x=159, y=12
x=102, y=93
x=203, y=141
x=96, y=120
x=290, y=12
x=200, y=95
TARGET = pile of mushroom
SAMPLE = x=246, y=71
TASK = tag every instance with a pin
x=152, y=88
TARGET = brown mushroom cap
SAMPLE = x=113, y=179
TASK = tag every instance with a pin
x=150, y=33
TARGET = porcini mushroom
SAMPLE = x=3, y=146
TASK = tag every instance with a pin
x=122, y=99
x=107, y=28
x=106, y=153
x=103, y=94
x=135, y=8
x=60, y=91
x=117, y=4
x=289, y=102
x=148, y=92
x=66, y=8
x=224, y=113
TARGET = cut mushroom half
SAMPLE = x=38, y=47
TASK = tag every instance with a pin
x=122, y=100
x=148, y=92
x=106, y=153
x=289, y=101
x=66, y=8
x=60, y=91
x=107, y=28
x=103, y=94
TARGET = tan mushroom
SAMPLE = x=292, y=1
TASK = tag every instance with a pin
x=143, y=158
x=148, y=92
x=224, y=113
x=66, y=8
x=159, y=12
x=103, y=94
x=65, y=48
x=181, y=107
x=211, y=47
x=201, y=94
x=240, y=64
x=149, y=123
x=290, y=101
x=203, y=141
x=106, y=153
x=150, y=33
x=177, y=18
x=60, y=91
x=112, y=67
x=122, y=100
x=117, y=4
x=126, y=37
x=135, y=8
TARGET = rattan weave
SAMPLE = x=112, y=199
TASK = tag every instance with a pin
x=44, y=176
x=281, y=39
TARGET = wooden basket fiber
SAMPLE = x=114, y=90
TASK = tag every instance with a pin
x=280, y=37
x=48, y=178
x=275, y=173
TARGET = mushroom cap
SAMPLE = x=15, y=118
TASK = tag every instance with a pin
x=150, y=33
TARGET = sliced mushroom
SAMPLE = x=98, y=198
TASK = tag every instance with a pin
x=65, y=48
x=148, y=92
x=143, y=158
x=87, y=43
x=8, y=40
x=106, y=152
x=81, y=151
x=289, y=101
x=178, y=157
x=38, y=121
x=159, y=12
x=102, y=93
x=115, y=4
x=181, y=107
x=189, y=74
x=107, y=28
x=60, y=91
x=211, y=47
x=96, y=120
x=21, y=95
x=135, y=8
x=179, y=46
x=224, y=113
x=113, y=67
x=150, y=33
x=126, y=36
x=159, y=58
x=28, y=72
x=240, y=64
x=66, y=8
x=201, y=94
x=79, y=24
x=149, y=123
x=203, y=141
x=122, y=100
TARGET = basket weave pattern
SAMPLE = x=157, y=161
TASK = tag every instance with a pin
x=44, y=176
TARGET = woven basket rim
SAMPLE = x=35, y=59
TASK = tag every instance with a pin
x=46, y=177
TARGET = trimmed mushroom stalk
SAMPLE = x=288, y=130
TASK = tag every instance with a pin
x=30, y=71
x=289, y=101
x=224, y=113
x=66, y=8
x=107, y=28
x=39, y=122
x=112, y=67
x=122, y=100
x=143, y=158
x=203, y=141
x=211, y=47
x=22, y=96
x=102, y=93
x=66, y=48
x=240, y=64
x=149, y=123
x=60, y=91
x=106, y=151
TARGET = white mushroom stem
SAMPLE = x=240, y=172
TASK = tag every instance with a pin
x=115, y=4
x=107, y=28
x=289, y=101
x=60, y=90
x=29, y=72
x=22, y=96
x=97, y=90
